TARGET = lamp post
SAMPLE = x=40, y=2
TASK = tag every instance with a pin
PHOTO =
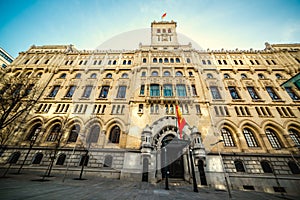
x=193, y=170
x=166, y=170
x=223, y=168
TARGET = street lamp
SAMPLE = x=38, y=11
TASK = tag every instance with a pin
x=193, y=170
x=223, y=168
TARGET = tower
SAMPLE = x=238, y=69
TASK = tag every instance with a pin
x=164, y=33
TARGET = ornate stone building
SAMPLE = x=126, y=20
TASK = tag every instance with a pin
x=120, y=106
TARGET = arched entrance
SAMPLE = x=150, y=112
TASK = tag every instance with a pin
x=202, y=172
x=171, y=159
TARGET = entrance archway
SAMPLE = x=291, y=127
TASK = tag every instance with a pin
x=170, y=160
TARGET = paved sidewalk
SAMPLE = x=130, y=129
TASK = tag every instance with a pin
x=29, y=186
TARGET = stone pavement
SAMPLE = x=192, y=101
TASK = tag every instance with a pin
x=29, y=186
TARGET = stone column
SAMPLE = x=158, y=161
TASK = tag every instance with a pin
x=186, y=166
x=158, y=165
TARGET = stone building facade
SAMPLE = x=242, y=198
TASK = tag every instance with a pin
x=242, y=125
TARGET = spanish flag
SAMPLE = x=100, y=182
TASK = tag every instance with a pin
x=180, y=119
x=164, y=15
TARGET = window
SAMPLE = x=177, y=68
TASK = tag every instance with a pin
x=292, y=93
x=160, y=60
x=154, y=90
x=39, y=75
x=178, y=73
x=94, y=75
x=141, y=108
x=194, y=91
x=234, y=94
x=78, y=76
x=14, y=157
x=257, y=62
x=261, y=76
x=108, y=75
x=71, y=91
x=64, y=75
x=273, y=61
x=37, y=158
x=158, y=30
x=266, y=167
x=114, y=62
x=142, y=90
x=294, y=136
x=226, y=76
x=125, y=75
x=154, y=73
x=203, y=62
x=166, y=60
x=54, y=91
x=61, y=159
x=114, y=135
x=177, y=60
x=227, y=137
x=209, y=76
x=198, y=109
x=278, y=76
x=209, y=62
x=190, y=74
x=168, y=92
x=252, y=93
x=243, y=76
x=235, y=62
x=124, y=62
x=294, y=167
x=241, y=62
x=34, y=132
x=143, y=74
x=172, y=60
x=121, y=92
x=219, y=61
x=108, y=161
x=94, y=134
x=54, y=133
x=274, y=141
x=87, y=91
x=215, y=92
x=154, y=60
x=104, y=92
x=250, y=139
x=272, y=93
x=252, y=63
x=188, y=60
x=239, y=166
x=74, y=133
x=144, y=60
x=181, y=91
x=167, y=73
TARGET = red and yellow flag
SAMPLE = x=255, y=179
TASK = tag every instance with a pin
x=180, y=119
x=164, y=15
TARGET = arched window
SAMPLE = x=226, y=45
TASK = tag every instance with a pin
x=250, y=139
x=94, y=134
x=61, y=159
x=144, y=60
x=166, y=60
x=172, y=60
x=261, y=76
x=239, y=166
x=129, y=62
x=167, y=73
x=278, y=76
x=227, y=137
x=78, y=75
x=39, y=75
x=125, y=75
x=93, y=75
x=108, y=75
x=108, y=161
x=14, y=157
x=74, y=133
x=274, y=141
x=188, y=60
x=179, y=73
x=226, y=76
x=154, y=73
x=63, y=75
x=154, y=60
x=209, y=62
x=294, y=167
x=53, y=133
x=295, y=136
x=34, y=132
x=114, y=62
x=209, y=75
x=160, y=60
x=243, y=76
x=191, y=74
x=27, y=74
x=114, y=135
x=143, y=74
x=37, y=158
x=266, y=167
x=177, y=60
x=124, y=62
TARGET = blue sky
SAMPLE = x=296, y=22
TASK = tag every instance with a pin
x=213, y=24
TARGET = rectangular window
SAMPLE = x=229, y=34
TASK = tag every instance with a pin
x=194, y=91
x=168, y=90
x=71, y=91
x=253, y=93
x=154, y=90
x=142, y=91
x=198, y=110
x=121, y=92
x=292, y=93
x=233, y=92
x=181, y=91
x=104, y=92
x=215, y=92
x=272, y=93
x=87, y=91
x=54, y=91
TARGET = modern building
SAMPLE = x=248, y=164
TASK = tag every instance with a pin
x=114, y=111
x=5, y=59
